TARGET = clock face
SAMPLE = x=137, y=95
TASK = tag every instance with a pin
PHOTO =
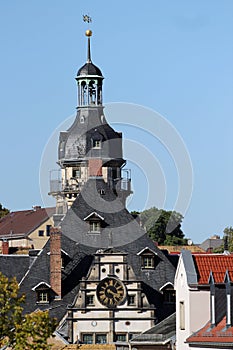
x=110, y=292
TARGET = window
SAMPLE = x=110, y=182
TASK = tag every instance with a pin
x=94, y=226
x=101, y=339
x=41, y=233
x=42, y=296
x=76, y=172
x=48, y=227
x=120, y=337
x=182, y=315
x=96, y=144
x=148, y=262
x=90, y=299
x=169, y=296
x=131, y=300
x=87, y=338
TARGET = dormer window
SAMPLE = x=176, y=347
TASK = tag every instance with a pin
x=148, y=262
x=42, y=296
x=95, y=222
x=95, y=226
x=169, y=294
x=96, y=144
x=42, y=292
x=148, y=258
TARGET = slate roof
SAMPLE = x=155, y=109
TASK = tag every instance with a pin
x=76, y=142
x=89, y=69
x=77, y=266
x=21, y=223
x=161, y=333
x=211, y=243
x=15, y=265
x=218, y=264
x=213, y=336
x=121, y=233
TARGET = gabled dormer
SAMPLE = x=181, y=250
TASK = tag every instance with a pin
x=43, y=292
x=95, y=222
x=149, y=258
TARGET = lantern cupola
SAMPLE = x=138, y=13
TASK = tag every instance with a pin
x=90, y=80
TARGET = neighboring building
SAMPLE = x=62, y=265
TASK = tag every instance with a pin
x=26, y=229
x=218, y=332
x=100, y=274
x=178, y=248
x=211, y=243
x=193, y=290
x=162, y=336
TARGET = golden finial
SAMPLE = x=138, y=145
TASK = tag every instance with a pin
x=88, y=33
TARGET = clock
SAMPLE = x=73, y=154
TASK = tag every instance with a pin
x=110, y=292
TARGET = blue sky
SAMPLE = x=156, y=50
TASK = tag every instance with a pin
x=174, y=57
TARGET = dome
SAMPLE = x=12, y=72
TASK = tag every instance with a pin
x=89, y=69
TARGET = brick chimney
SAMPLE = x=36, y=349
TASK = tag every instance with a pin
x=55, y=261
x=5, y=247
x=95, y=167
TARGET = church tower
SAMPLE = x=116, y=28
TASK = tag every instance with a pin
x=90, y=147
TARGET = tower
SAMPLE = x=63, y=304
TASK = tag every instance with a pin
x=90, y=147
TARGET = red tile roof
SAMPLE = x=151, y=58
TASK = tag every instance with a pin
x=22, y=223
x=217, y=263
x=217, y=334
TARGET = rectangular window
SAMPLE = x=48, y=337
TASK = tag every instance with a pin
x=131, y=300
x=88, y=338
x=148, y=262
x=95, y=226
x=48, y=227
x=41, y=233
x=90, y=299
x=101, y=339
x=42, y=297
x=120, y=337
x=96, y=144
x=76, y=172
x=169, y=296
x=182, y=315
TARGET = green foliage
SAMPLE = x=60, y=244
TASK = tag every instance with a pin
x=228, y=232
x=29, y=332
x=33, y=332
x=163, y=226
x=3, y=211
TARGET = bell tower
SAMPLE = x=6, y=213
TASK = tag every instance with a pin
x=90, y=147
x=90, y=80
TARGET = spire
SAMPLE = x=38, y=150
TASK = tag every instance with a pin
x=88, y=34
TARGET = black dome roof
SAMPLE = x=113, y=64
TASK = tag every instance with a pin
x=89, y=69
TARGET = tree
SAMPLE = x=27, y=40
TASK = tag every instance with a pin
x=163, y=226
x=3, y=211
x=29, y=332
x=33, y=332
x=228, y=235
x=228, y=241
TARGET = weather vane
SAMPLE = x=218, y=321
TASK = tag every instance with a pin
x=87, y=19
